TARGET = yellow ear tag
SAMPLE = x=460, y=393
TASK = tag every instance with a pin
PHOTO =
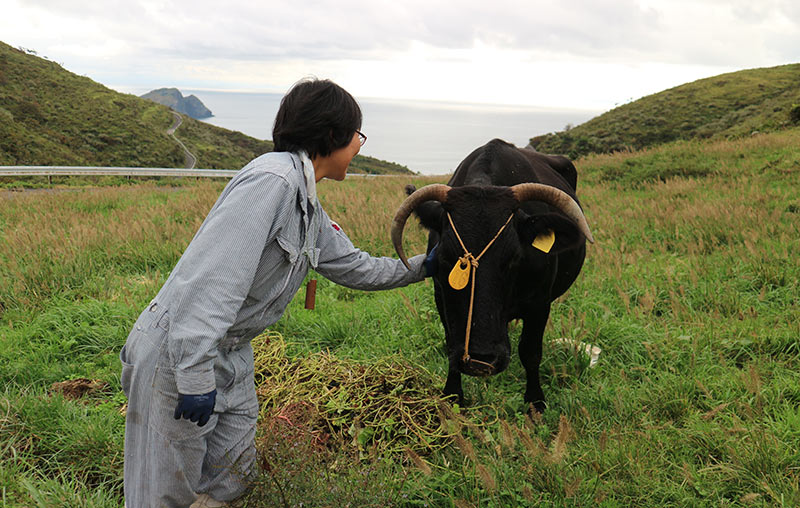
x=459, y=275
x=544, y=242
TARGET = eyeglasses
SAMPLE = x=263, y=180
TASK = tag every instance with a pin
x=361, y=137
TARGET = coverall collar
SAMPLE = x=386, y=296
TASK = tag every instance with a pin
x=310, y=176
x=311, y=209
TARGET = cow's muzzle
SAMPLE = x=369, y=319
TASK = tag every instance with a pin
x=482, y=365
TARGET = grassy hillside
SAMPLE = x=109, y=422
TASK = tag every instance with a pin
x=50, y=116
x=692, y=291
x=724, y=106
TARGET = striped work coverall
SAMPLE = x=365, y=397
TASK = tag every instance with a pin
x=235, y=278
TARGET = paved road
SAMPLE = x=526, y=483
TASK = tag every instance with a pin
x=191, y=160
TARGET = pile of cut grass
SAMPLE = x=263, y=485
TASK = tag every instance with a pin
x=388, y=405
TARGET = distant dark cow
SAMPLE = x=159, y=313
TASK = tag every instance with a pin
x=511, y=238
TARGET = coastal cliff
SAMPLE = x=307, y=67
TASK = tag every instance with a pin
x=174, y=99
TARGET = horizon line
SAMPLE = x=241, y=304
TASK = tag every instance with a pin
x=369, y=98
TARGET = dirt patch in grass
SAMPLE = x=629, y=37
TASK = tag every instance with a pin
x=73, y=389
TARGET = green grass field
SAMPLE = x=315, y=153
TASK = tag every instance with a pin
x=691, y=292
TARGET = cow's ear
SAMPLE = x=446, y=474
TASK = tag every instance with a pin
x=550, y=233
x=429, y=213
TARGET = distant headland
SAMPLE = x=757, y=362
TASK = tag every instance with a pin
x=174, y=99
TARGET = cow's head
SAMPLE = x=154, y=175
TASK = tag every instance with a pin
x=464, y=221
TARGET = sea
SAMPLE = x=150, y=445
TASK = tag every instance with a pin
x=428, y=137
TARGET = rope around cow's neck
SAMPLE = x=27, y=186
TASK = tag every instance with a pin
x=473, y=262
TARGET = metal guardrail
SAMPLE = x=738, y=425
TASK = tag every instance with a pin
x=112, y=171
x=49, y=171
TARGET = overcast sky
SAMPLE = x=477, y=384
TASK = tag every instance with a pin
x=582, y=54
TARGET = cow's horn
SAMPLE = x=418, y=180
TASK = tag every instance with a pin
x=555, y=197
x=434, y=192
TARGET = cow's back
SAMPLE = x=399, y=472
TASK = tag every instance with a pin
x=503, y=164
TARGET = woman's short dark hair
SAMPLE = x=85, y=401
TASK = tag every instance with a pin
x=317, y=116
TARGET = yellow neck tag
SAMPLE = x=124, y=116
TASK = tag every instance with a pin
x=544, y=241
x=459, y=275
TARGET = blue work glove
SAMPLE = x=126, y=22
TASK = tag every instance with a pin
x=431, y=263
x=196, y=408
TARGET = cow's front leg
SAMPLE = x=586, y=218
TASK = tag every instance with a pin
x=530, y=353
x=453, y=384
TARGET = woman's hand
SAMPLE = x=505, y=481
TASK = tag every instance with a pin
x=196, y=408
x=431, y=263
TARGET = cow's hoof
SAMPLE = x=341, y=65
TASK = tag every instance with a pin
x=538, y=407
x=454, y=398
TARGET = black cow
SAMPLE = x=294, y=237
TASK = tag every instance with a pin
x=516, y=212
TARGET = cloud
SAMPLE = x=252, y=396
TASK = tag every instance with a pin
x=488, y=50
x=355, y=29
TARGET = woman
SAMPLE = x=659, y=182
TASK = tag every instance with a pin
x=187, y=366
